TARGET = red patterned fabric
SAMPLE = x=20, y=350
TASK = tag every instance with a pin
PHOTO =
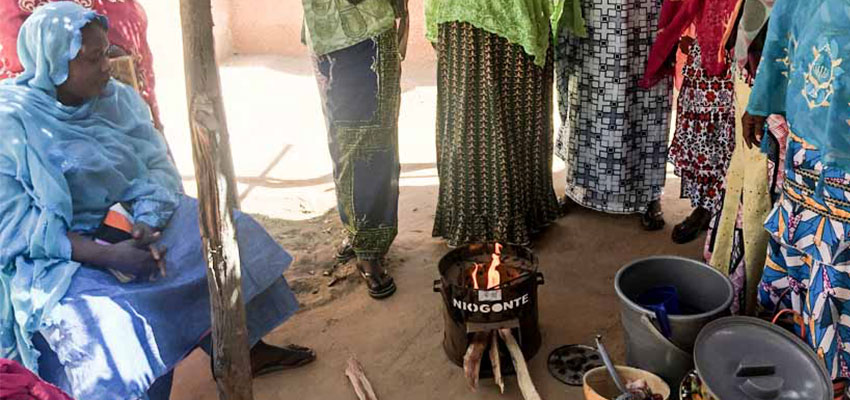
x=705, y=132
x=710, y=17
x=18, y=383
x=128, y=25
x=711, y=29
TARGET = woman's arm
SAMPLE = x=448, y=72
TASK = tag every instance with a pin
x=42, y=232
x=155, y=196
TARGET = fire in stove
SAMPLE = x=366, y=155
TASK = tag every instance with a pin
x=493, y=273
x=498, y=318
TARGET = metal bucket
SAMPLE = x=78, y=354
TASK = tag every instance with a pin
x=705, y=295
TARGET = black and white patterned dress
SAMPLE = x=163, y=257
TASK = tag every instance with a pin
x=614, y=134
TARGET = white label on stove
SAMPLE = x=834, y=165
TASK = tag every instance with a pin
x=490, y=295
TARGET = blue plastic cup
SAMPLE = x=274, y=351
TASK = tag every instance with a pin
x=663, y=301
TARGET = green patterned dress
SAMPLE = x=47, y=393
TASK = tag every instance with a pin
x=494, y=119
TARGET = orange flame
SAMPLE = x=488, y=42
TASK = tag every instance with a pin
x=493, y=277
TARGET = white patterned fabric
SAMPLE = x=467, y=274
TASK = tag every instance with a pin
x=614, y=134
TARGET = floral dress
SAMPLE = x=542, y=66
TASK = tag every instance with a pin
x=705, y=133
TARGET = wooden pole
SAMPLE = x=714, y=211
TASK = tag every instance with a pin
x=202, y=76
x=216, y=195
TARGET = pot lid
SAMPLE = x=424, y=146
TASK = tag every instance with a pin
x=747, y=358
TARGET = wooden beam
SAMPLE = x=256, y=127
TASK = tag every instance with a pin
x=217, y=199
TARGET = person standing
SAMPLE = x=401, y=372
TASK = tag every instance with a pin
x=802, y=77
x=357, y=51
x=704, y=139
x=614, y=133
x=494, y=119
x=737, y=241
x=705, y=127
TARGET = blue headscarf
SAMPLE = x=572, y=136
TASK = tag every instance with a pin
x=61, y=168
x=49, y=39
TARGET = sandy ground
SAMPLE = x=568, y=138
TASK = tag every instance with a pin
x=284, y=173
x=399, y=340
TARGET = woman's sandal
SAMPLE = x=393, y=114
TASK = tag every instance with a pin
x=653, y=218
x=380, y=286
x=691, y=227
x=305, y=356
x=565, y=205
x=345, y=252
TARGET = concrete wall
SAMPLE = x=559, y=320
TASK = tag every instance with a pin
x=222, y=10
x=274, y=27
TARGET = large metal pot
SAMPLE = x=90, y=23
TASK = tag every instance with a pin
x=742, y=358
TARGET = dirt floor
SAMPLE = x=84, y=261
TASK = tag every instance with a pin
x=398, y=340
x=284, y=172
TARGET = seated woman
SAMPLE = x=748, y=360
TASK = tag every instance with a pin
x=74, y=144
x=128, y=36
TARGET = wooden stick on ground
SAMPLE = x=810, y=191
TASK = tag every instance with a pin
x=361, y=385
x=496, y=361
x=526, y=386
x=473, y=357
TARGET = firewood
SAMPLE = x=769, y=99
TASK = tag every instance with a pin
x=361, y=385
x=526, y=386
x=496, y=362
x=473, y=357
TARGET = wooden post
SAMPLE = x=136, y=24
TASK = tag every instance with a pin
x=216, y=194
x=199, y=62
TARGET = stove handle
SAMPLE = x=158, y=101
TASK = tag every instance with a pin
x=540, y=279
x=438, y=286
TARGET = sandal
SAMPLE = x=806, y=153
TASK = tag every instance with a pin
x=692, y=226
x=565, y=204
x=304, y=357
x=381, y=285
x=653, y=218
x=345, y=252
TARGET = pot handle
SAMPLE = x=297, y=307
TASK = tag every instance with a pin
x=660, y=337
x=438, y=286
x=540, y=279
x=767, y=388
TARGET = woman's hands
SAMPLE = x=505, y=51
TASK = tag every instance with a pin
x=144, y=234
x=753, y=126
x=140, y=256
x=403, y=17
x=131, y=258
x=685, y=44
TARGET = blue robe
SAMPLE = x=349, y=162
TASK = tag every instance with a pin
x=61, y=168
